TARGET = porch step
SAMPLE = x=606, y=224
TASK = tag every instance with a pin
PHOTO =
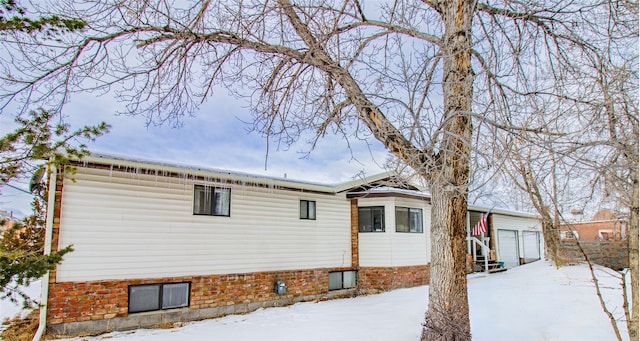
x=493, y=265
x=495, y=270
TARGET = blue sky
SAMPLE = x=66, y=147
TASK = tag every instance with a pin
x=216, y=138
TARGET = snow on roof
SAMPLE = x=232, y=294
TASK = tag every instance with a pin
x=393, y=190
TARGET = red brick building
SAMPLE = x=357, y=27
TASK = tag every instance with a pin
x=603, y=226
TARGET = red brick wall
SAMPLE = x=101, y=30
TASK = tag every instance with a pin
x=355, y=262
x=589, y=230
x=85, y=301
x=387, y=278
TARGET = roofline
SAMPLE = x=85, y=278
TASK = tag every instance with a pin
x=390, y=190
x=502, y=211
x=423, y=195
x=106, y=159
x=362, y=181
x=621, y=220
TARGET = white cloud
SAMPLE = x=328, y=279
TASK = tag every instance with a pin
x=218, y=137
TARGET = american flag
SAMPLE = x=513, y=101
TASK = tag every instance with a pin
x=481, y=226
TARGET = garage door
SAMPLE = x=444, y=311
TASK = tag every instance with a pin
x=508, y=248
x=531, y=246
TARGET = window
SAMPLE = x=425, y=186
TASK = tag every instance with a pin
x=149, y=297
x=342, y=280
x=211, y=200
x=371, y=219
x=307, y=209
x=408, y=219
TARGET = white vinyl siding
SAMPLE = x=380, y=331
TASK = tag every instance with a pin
x=514, y=223
x=391, y=248
x=131, y=225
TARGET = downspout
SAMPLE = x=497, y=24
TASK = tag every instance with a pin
x=44, y=295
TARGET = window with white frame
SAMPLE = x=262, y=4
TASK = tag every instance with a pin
x=408, y=219
x=371, y=219
x=307, y=209
x=210, y=200
x=149, y=297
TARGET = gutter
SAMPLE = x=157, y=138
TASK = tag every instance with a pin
x=103, y=159
x=44, y=295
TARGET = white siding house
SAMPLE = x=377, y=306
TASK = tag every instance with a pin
x=157, y=243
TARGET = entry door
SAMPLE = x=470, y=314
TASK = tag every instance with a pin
x=531, y=241
x=508, y=248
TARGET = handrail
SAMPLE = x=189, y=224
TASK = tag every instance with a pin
x=485, y=250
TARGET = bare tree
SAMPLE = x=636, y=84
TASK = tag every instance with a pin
x=615, y=118
x=589, y=150
x=412, y=74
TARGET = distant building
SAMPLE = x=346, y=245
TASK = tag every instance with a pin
x=603, y=226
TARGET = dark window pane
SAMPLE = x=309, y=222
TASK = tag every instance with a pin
x=371, y=219
x=144, y=298
x=377, y=214
x=202, y=200
x=307, y=209
x=304, y=209
x=402, y=219
x=211, y=200
x=364, y=219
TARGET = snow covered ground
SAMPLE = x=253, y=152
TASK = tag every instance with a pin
x=531, y=302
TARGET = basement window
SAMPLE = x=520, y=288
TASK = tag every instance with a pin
x=342, y=280
x=307, y=209
x=208, y=200
x=150, y=297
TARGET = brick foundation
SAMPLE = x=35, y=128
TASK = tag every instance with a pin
x=83, y=307
x=376, y=279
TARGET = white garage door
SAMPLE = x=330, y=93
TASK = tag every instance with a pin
x=508, y=248
x=531, y=241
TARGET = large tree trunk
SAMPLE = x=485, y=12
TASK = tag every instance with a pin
x=633, y=259
x=447, y=317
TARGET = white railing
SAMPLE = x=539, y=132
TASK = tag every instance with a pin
x=484, y=247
